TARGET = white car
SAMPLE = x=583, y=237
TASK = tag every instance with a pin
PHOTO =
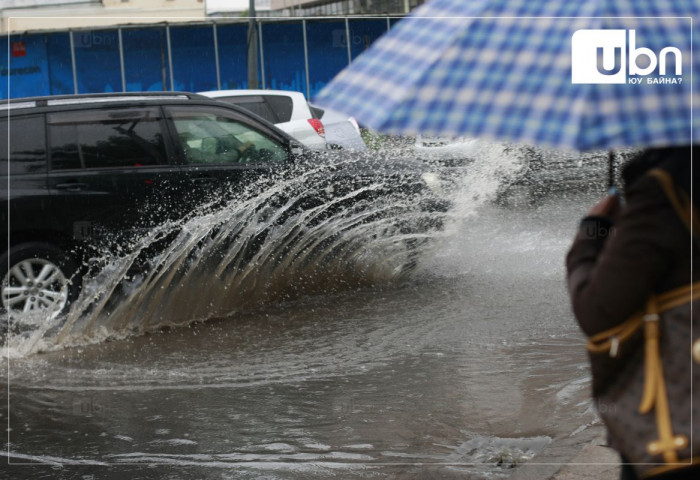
x=288, y=110
x=342, y=131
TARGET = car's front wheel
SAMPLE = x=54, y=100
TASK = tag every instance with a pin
x=38, y=280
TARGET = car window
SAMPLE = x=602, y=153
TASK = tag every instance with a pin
x=316, y=112
x=281, y=105
x=273, y=108
x=255, y=104
x=213, y=136
x=27, y=148
x=106, y=138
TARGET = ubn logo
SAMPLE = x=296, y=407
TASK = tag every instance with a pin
x=601, y=56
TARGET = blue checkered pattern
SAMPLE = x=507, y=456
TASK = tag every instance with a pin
x=502, y=69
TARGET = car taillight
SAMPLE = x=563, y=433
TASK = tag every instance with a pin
x=318, y=126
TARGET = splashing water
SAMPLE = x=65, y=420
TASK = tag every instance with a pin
x=493, y=167
x=278, y=239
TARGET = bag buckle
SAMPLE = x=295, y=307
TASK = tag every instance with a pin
x=614, y=346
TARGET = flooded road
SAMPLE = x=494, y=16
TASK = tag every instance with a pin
x=466, y=368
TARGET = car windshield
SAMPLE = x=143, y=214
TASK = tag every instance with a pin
x=214, y=137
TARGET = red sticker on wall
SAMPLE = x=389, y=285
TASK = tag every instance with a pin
x=19, y=49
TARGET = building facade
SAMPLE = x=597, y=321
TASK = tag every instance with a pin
x=43, y=15
x=311, y=8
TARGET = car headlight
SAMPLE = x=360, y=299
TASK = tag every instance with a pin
x=433, y=182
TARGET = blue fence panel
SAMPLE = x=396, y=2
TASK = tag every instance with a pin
x=283, y=45
x=97, y=61
x=146, y=66
x=24, y=71
x=363, y=33
x=328, y=52
x=41, y=64
x=60, y=64
x=4, y=73
x=233, y=56
x=194, y=62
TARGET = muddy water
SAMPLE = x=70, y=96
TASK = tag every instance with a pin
x=467, y=368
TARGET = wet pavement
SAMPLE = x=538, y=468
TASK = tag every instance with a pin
x=470, y=367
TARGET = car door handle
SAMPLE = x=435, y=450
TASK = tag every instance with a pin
x=71, y=186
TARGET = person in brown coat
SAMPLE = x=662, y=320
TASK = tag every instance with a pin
x=623, y=254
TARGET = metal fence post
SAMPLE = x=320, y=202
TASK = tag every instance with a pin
x=121, y=59
x=252, y=44
x=347, y=39
x=170, y=59
x=262, y=55
x=306, y=61
x=72, y=61
x=216, y=57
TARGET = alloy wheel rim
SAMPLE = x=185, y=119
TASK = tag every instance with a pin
x=35, y=286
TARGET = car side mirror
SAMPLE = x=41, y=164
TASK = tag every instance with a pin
x=296, y=150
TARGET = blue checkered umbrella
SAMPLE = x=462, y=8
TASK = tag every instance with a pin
x=586, y=75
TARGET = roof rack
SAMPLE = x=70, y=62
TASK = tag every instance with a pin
x=95, y=98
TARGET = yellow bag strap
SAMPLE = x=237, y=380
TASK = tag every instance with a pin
x=679, y=200
x=655, y=396
x=678, y=296
x=609, y=340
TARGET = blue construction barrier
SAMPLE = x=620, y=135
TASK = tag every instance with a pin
x=138, y=58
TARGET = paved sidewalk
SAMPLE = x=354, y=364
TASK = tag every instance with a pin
x=583, y=456
x=594, y=462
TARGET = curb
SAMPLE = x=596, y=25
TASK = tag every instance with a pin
x=583, y=456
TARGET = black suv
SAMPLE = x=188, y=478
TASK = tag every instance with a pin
x=86, y=166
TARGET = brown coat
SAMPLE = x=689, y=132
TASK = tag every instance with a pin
x=612, y=271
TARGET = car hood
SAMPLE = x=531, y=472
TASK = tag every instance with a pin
x=365, y=162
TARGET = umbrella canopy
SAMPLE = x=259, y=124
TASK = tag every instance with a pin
x=586, y=75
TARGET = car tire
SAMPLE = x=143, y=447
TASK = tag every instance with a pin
x=37, y=277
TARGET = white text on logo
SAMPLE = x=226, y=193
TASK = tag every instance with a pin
x=612, y=56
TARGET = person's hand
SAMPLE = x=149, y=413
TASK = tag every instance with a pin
x=607, y=207
x=244, y=147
